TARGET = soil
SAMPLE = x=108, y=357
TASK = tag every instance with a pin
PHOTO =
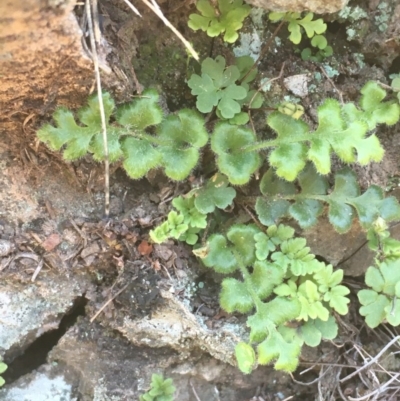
x=132, y=308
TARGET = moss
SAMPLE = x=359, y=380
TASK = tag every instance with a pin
x=165, y=66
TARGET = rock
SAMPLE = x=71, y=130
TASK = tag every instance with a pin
x=28, y=311
x=105, y=366
x=39, y=386
x=173, y=325
x=316, y=6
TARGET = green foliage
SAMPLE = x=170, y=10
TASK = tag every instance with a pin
x=227, y=19
x=225, y=88
x=174, y=147
x=215, y=193
x=281, y=198
x=191, y=218
x=396, y=85
x=324, y=50
x=3, y=368
x=296, y=24
x=381, y=303
x=342, y=129
x=281, y=281
x=160, y=389
x=184, y=225
x=228, y=143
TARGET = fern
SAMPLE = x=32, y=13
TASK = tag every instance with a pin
x=161, y=390
x=191, y=216
x=281, y=198
x=227, y=20
x=381, y=303
x=226, y=88
x=341, y=129
x=296, y=24
x=174, y=146
x=281, y=281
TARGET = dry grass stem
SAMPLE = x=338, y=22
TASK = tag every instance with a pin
x=93, y=24
x=156, y=9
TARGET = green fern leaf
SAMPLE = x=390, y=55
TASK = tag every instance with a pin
x=337, y=299
x=114, y=146
x=227, y=142
x=242, y=236
x=384, y=278
x=191, y=215
x=142, y=113
x=235, y=296
x=140, y=157
x=289, y=157
x=267, y=242
x=286, y=353
x=207, y=96
x=219, y=256
x=55, y=137
x=269, y=210
x=313, y=331
x=311, y=305
x=378, y=112
x=246, y=357
x=306, y=212
x=374, y=307
x=90, y=115
x=265, y=277
x=182, y=135
x=215, y=193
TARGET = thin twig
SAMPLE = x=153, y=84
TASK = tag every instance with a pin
x=332, y=83
x=37, y=270
x=156, y=9
x=132, y=7
x=379, y=390
x=372, y=361
x=107, y=303
x=94, y=27
x=194, y=391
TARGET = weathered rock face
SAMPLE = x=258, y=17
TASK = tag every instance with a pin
x=316, y=6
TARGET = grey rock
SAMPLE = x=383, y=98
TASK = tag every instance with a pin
x=28, y=311
x=39, y=386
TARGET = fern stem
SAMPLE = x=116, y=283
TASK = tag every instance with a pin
x=274, y=142
x=150, y=138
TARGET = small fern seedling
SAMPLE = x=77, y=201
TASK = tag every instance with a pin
x=296, y=24
x=227, y=19
x=281, y=281
x=221, y=87
x=342, y=129
x=174, y=146
x=191, y=217
x=161, y=390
